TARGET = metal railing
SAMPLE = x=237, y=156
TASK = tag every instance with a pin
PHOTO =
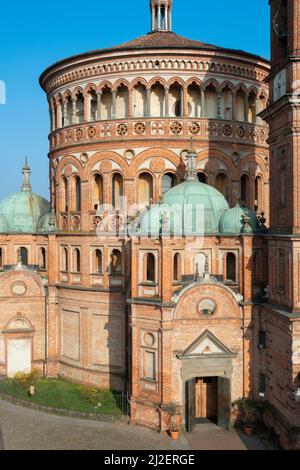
x=69, y=397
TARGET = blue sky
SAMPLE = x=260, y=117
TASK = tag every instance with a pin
x=33, y=35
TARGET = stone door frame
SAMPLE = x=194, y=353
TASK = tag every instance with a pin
x=219, y=365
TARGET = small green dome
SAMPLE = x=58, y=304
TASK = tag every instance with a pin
x=191, y=208
x=160, y=219
x=47, y=223
x=232, y=221
x=22, y=211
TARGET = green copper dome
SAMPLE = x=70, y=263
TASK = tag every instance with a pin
x=201, y=206
x=233, y=222
x=22, y=211
x=191, y=208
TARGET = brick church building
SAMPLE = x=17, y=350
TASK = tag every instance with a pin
x=166, y=262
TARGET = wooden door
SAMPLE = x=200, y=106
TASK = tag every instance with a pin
x=206, y=398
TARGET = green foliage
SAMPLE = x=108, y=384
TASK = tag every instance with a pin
x=92, y=394
x=26, y=380
x=172, y=409
x=248, y=410
x=66, y=395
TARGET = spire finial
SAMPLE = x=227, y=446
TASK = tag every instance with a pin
x=191, y=157
x=26, y=186
x=161, y=14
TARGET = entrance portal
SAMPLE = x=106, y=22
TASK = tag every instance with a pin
x=206, y=397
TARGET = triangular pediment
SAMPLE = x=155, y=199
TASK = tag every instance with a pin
x=207, y=344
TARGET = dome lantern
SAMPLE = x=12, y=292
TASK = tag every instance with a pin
x=161, y=14
x=26, y=186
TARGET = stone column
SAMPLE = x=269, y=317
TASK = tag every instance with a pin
x=87, y=107
x=66, y=122
x=52, y=118
x=184, y=95
x=182, y=99
x=202, y=103
x=74, y=117
x=153, y=19
x=256, y=110
x=246, y=98
x=114, y=104
x=219, y=103
x=167, y=101
x=233, y=106
x=148, y=91
x=130, y=103
x=99, y=95
x=159, y=16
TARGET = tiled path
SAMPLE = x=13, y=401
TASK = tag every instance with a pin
x=209, y=437
x=25, y=429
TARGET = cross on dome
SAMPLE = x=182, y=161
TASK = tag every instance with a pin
x=161, y=13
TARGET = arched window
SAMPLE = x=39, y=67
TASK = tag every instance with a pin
x=76, y=261
x=97, y=192
x=79, y=108
x=1, y=259
x=157, y=101
x=42, y=258
x=116, y=262
x=194, y=100
x=97, y=262
x=202, y=178
x=145, y=188
x=65, y=194
x=24, y=256
x=69, y=116
x=117, y=191
x=65, y=260
x=175, y=100
x=240, y=100
x=168, y=182
x=176, y=268
x=252, y=107
x=261, y=105
x=226, y=103
x=78, y=193
x=231, y=267
x=122, y=102
x=222, y=185
x=245, y=190
x=150, y=270
x=211, y=102
x=139, y=97
x=92, y=105
x=106, y=103
x=258, y=193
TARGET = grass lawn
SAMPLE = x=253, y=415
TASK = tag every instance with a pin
x=64, y=395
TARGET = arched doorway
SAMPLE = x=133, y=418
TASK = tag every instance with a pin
x=206, y=373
